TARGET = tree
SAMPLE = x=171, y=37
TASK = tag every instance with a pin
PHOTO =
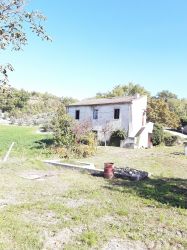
x=68, y=100
x=176, y=105
x=124, y=90
x=13, y=20
x=166, y=95
x=106, y=130
x=158, y=112
x=63, y=129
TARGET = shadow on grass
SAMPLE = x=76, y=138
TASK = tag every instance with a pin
x=43, y=143
x=170, y=191
x=177, y=153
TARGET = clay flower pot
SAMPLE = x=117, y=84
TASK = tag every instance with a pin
x=108, y=170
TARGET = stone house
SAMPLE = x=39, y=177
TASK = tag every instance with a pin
x=109, y=114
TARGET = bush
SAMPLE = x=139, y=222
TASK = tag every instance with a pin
x=170, y=140
x=117, y=136
x=62, y=152
x=81, y=150
x=89, y=139
x=158, y=134
x=76, y=139
x=63, y=129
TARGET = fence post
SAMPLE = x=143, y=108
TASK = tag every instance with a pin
x=8, y=152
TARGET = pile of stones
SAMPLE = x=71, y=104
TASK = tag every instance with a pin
x=131, y=173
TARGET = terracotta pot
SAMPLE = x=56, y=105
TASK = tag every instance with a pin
x=108, y=170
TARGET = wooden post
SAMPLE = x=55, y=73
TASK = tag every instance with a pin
x=8, y=152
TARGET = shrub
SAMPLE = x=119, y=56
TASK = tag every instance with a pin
x=62, y=152
x=63, y=129
x=170, y=140
x=89, y=139
x=158, y=134
x=76, y=138
x=81, y=150
x=117, y=136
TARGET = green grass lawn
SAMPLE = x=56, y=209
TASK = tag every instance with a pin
x=65, y=209
x=27, y=142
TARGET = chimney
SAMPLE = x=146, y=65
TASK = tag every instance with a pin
x=137, y=95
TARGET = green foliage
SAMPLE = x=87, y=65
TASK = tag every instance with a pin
x=68, y=100
x=63, y=129
x=117, y=136
x=158, y=112
x=72, y=139
x=166, y=95
x=82, y=150
x=119, y=133
x=13, y=99
x=129, y=89
x=170, y=140
x=24, y=104
x=89, y=139
x=158, y=134
x=89, y=238
x=177, y=107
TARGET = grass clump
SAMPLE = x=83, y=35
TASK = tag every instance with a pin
x=122, y=212
x=90, y=238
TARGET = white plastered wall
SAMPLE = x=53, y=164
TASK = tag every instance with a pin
x=105, y=117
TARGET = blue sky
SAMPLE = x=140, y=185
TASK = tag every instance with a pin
x=98, y=44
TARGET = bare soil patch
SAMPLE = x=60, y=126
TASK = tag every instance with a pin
x=46, y=218
x=59, y=240
x=119, y=244
x=75, y=203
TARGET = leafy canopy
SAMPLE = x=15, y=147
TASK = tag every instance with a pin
x=129, y=89
x=166, y=95
x=14, y=19
x=159, y=112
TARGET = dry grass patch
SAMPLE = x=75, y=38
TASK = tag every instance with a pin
x=71, y=210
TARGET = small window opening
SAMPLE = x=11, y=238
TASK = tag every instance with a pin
x=77, y=114
x=95, y=114
x=116, y=113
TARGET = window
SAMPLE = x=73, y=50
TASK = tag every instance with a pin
x=95, y=114
x=77, y=114
x=116, y=113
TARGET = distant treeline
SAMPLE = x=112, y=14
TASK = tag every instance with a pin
x=165, y=108
x=20, y=103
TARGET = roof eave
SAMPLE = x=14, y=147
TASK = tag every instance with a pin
x=97, y=104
